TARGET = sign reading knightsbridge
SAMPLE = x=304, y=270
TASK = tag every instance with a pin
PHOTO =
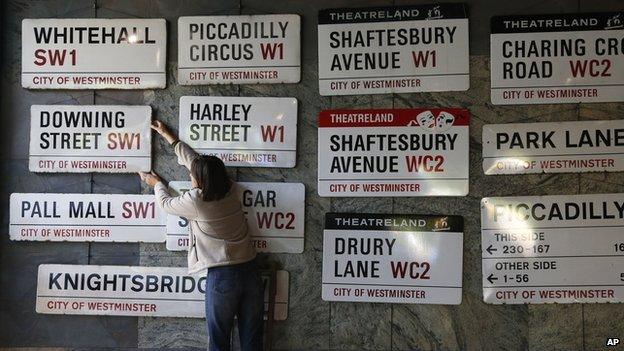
x=553, y=147
x=94, y=53
x=86, y=217
x=241, y=131
x=239, y=49
x=554, y=59
x=392, y=258
x=83, y=139
x=275, y=216
x=398, y=49
x=134, y=291
x=393, y=152
x=553, y=249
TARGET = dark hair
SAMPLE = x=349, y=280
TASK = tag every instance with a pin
x=211, y=176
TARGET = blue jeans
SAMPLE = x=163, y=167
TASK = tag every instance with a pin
x=235, y=290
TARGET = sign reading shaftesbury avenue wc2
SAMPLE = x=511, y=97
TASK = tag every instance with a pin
x=239, y=49
x=399, y=49
x=392, y=258
x=553, y=147
x=554, y=59
x=82, y=139
x=241, y=131
x=94, y=53
x=553, y=249
x=86, y=217
x=393, y=152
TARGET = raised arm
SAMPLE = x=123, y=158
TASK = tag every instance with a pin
x=185, y=153
x=182, y=205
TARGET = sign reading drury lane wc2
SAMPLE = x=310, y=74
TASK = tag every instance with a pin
x=399, y=49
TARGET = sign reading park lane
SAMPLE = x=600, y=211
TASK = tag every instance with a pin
x=94, y=53
x=553, y=249
x=393, y=152
x=559, y=58
x=397, y=49
x=241, y=131
x=86, y=217
x=553, y=147
x=392, y=258
x=239, y=49
x=83, y=139
x=134, y=291
x=275, y=216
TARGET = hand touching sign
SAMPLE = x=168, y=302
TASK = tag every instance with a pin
x=150, y=179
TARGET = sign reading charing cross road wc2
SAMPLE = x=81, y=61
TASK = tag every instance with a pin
x=94, y=53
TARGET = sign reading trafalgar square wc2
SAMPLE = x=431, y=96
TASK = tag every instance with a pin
x=94, y=53
x=554, y=59
x=397, y=49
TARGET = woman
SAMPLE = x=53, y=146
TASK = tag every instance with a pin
x=219, y=242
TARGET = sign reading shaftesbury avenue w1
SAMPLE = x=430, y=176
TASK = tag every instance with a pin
x=239, y=49
x=134, y=291
x=94, y=53
x=393, y=152
x=398, y=49
x=241, y=131
x=553, y=147
x=553, y=249
x=392, y=258
x=86, y=217
x=555, y=59
x=82, y=139
x=275, y=216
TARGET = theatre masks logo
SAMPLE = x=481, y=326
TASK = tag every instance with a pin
x=428, y=121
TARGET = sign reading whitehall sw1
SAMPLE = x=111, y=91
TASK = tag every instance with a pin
x=82, y=139
x=94, y=53
x=275, y=216
x=398, y=49
x=134, y=291
x=554, y=59
x=241, y=131
x=86, y=217
x=392, y=258
x=239, y=49
x=553, y=249
x=553, y=147
x=393, y=152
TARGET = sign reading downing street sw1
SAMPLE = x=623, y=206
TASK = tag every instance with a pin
x=397, y=49
x=83, y=139
x=553, y=249
x=275, y=215
x=241, y=131
x=393, y=152
x=86, y=217
x=392, y=258
x=239, y=49
x=94, y=53
x=554, y=59
x=553, y=147
x=134, y=291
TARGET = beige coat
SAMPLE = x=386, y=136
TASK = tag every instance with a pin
x=218, y=229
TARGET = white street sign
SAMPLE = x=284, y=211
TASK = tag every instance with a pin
x=86, y=217
x=94, y=53
x=553, y=249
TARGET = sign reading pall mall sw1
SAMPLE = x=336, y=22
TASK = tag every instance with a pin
x=399, y=49
x=392, y=258
x=94, y=53
x=241, y=131
x=553, y=249
x=554, y=147
x=239, y=49
x=393, y=152
x=559, y=58
x=86, y=217
x=83, y=139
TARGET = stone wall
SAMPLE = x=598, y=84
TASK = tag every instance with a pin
x=312, y=323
